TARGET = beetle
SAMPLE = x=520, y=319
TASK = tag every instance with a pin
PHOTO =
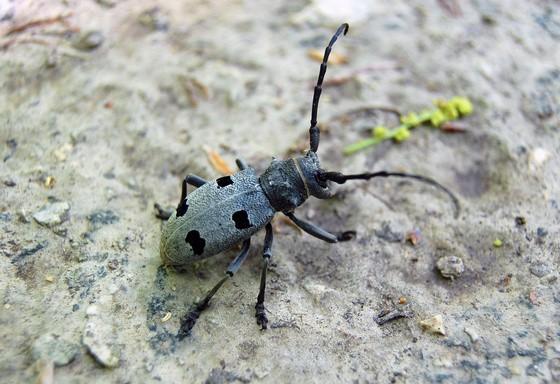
x=219, y=214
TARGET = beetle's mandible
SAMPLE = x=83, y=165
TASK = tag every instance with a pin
x=220, y=214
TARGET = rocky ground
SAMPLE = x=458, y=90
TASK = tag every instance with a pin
x=106, y=105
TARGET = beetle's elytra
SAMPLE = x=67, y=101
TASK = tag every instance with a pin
x=221, y=213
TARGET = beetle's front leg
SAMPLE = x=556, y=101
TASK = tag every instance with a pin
x=189, y=320
x=319, y=232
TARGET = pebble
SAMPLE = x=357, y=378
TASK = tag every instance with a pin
x=51, y=59
x=386, y=233
x=89, y=41
x=414, y=236
x=7, y=10
x=472, y=334
x=537, y=158
x=50, y=347
x=50, y=181
x=154, y=19
x=94, y=340
x=434, y=324
x=520, y=220
x=9, y=183
x=540, y=269
x=515, y=369
x=62, y=152
x=541, y=232
x=45, y=374
x=53, y=214
x=554, y=368
x=92, y=310
x=23, y=216
x=450, y=267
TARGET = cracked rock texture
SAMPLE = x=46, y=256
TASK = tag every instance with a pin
x=106, y=105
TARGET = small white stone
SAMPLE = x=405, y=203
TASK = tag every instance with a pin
x=537, y=157
x=472, y=334
x=92, y=310
x=434, y=324
x=52, y=214
x=94, y=340
x=113, y=288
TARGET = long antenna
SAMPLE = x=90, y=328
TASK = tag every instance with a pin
x=340, y=178
x=314, y=130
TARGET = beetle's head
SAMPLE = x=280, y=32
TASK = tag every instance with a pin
x=312, y=173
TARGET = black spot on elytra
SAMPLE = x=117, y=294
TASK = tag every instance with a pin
x=224, y=181
x=182, y=208
x=241, y=219
x=196, y=242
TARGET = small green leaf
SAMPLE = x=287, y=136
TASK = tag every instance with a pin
x=412, y=119
x=462, y=104
x=401, y=134
x=448, y=109
x=380, y=132
x=437, y=118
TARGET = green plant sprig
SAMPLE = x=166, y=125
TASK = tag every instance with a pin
x=445, y=111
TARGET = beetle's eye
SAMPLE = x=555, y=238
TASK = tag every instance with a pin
x=321, y=180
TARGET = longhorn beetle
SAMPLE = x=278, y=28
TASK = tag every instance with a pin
x=227, y=211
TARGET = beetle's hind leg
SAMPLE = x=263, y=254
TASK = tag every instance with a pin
x=319, y=232
x=188, y=322
x=162, y=213
x=267, y=254
x=193, y=180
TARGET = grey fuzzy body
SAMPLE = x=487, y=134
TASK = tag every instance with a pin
x=209, y=212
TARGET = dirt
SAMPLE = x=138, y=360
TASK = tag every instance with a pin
x=107, y=105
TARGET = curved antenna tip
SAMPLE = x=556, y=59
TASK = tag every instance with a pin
x=346, y=27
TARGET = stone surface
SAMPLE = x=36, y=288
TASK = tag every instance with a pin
x=540, y=269
x=51, y=347
x=119, y=127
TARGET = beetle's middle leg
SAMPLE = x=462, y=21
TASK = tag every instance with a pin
x=241, y=164
x=188, y=322
x=319, y=232
x=267, y=254
x=195, y=181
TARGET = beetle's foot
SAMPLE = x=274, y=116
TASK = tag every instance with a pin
x=162, y=213
x=346, y=236
x=187, y=323
x=262, y=320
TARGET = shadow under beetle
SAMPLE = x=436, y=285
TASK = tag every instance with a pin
x=222, y=213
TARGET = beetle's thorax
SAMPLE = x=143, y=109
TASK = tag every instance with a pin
x=288, y=183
